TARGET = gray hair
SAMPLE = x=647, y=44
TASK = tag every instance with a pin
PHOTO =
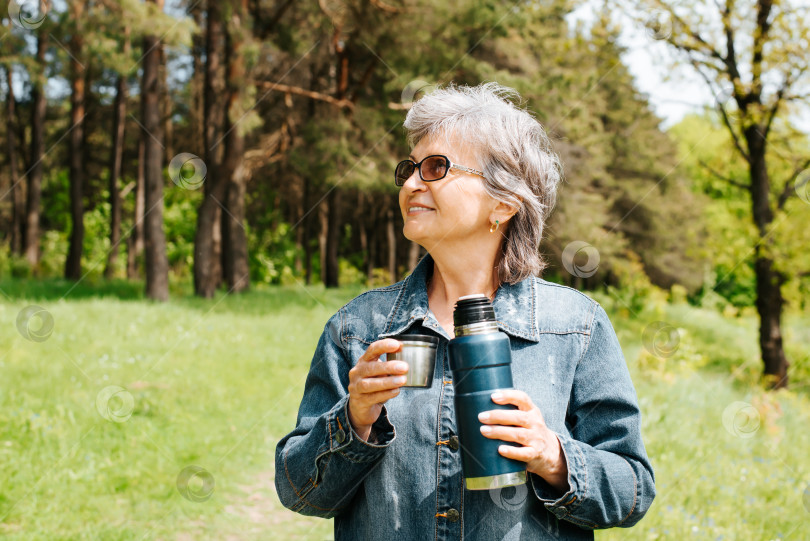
x=521, y=169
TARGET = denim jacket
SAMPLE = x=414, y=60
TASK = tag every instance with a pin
x=406, y=482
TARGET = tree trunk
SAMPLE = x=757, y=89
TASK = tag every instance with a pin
x=769, y=280
x=34, y=194
x=116, y=160
x=362, y=224
x=392, y=244
x=299, y=231
x=219, y=198
x=769, y=306
x=323, y=216
x=23, y=157
x=73, y=263
x=237, y=268
x=307, y=240
x=413, y=256
x=197, y=84
x=234, y=239
x=275, y=217
x=157, y=264
x=333, y=237
x=207, y=240
x=308, y=224
x=135, y=241
x=166, y=109
x=17, y=211
x=372, y=243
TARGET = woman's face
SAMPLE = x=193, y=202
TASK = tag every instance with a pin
x=458, y=205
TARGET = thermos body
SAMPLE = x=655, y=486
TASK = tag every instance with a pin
x=481, y=362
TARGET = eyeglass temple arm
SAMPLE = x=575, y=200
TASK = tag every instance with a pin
x=467, y=169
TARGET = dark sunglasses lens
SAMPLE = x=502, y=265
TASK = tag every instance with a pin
x=434, y=168
x=404, y=171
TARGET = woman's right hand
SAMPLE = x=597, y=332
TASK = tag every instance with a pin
x=372, y=383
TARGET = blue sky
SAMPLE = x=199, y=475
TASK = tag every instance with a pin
x=672, y=92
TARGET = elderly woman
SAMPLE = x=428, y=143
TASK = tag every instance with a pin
x=384, y=461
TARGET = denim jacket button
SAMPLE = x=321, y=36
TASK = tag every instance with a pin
x=340, y=436
x=452, y=515
x=453, y=443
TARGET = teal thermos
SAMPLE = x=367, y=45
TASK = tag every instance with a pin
x=481, y=362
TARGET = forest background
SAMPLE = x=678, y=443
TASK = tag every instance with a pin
x=239, y=155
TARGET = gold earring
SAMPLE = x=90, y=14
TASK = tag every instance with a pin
x=493, y=227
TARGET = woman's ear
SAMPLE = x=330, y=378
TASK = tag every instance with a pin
x=502, y=212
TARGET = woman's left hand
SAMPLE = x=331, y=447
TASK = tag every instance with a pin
x=541, y=449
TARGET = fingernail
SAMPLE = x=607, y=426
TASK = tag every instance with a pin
x=497, y=396
x=402, y=367
x=400, y=379
x=486, y=429
x=483, y=416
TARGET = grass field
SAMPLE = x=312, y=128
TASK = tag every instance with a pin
x=101, y=420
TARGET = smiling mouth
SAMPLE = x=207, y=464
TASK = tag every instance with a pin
x=418, y=209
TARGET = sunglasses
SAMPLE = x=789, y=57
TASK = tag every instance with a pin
x=431, y=168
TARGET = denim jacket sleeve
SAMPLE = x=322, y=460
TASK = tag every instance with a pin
x=322, y=462
x=610, y=478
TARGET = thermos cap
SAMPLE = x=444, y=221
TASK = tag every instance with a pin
x=471, y=309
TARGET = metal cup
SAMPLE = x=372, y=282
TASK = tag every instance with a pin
x=419, y=351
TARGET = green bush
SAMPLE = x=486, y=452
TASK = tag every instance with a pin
x=349, y=274
x=636, y=293
x=272, y=254
x=53, y=253
x=13, y=265
x=180, y=224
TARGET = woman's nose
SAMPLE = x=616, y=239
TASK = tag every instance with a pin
x=414, y=181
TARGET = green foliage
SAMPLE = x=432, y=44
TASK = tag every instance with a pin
x=179, y=221
x=180, y=224
x=53, y=248
x=55, y=213
x=12, y=265
x=272, y=254
x=325, y=149
x=707, y=154
x=624, y=192
x=620, y=192
x=96, y=241
x=637, y=292
x=685, y=361
x=350, y=275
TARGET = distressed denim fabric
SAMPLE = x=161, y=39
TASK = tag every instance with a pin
x=407, y=483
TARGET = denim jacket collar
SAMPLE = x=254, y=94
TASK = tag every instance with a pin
x=515, y=305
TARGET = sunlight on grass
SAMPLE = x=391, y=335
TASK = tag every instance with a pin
x=99, y=419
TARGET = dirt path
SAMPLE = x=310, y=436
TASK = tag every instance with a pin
x=262, y=516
